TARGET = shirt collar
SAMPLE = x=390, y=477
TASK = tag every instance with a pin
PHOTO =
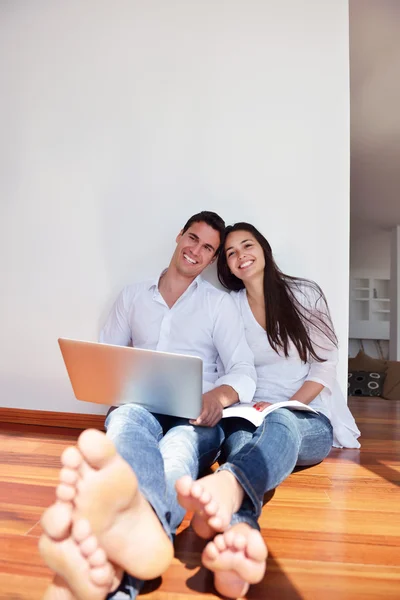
x=154, y=282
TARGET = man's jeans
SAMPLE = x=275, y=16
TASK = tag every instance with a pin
x=160, y=449
x=261, y=458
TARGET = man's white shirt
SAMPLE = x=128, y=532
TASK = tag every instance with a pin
x=203, y=322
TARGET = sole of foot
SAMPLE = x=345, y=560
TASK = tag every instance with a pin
x=104, y=490
x=82, y=569
x=213, y=499
x=238, y=558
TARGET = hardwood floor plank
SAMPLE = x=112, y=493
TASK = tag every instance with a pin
x=18, y=520
x=20, y=474
x=331, y=520
x=19, y=554
x=14, y=587
x=25, y=494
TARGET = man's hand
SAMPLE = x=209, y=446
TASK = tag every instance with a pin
x=211, y=412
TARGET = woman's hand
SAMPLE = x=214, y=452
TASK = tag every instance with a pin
x=261, y=405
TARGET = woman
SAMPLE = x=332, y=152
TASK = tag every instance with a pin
x=289, y=329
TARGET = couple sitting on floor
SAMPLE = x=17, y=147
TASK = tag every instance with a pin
x=122, y=494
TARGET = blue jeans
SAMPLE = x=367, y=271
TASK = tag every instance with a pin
x=161, y=449
x=261, y=458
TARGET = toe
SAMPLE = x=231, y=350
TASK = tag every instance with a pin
x=239, y=542
x=183, y=485
x=205, y=497
x=196, y=490
x=71, y=458
x=229, y=537
x=256, y=547
x=68, y=476
x=65, y=492
x=220, y=542
x=56, y=520
x=217, y=523
x=96, y=448
x=101, y=576
x=89, y=545
x=98, y=558
x=81, y=530
x=210, y=551
x=211, y=508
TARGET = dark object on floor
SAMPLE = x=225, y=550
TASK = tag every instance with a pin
x=391, y=369
x=364, y=383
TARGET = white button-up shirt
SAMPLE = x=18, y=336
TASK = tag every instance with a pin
x=203, y=322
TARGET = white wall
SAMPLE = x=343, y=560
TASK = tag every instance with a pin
x=370, y=252
x=120, y=119
x=369, y=257
x=395, y=293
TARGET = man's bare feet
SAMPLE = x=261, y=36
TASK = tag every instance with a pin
x=104, y=490
x=82, y=569
x=238, y=558
x=58, y=590
x=213, y=500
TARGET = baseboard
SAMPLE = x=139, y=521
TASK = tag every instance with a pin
x=51, y=419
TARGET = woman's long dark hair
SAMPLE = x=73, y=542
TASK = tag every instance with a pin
x=296, y=309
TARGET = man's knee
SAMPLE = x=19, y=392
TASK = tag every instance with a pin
x=211, y=437
x=131, y=415
x=184, y=441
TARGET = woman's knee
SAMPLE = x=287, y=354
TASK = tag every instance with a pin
x=280, y=430
x=316, y=442
x=284, y=422
x=314, y=451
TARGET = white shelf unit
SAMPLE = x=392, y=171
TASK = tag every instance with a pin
x=369, y=308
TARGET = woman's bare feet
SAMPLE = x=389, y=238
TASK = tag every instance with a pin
x=82, y=569
x=104, y=490
x=213, y=500
x=238, y=558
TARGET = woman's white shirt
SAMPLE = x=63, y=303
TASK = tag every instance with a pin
x=280, y=377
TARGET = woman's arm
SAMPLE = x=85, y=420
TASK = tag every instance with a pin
x=308, y=392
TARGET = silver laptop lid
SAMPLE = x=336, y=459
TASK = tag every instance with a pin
x=162, y=382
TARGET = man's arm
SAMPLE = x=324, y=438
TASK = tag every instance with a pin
x=239, y=380
x=214, y=402
x=117, y=329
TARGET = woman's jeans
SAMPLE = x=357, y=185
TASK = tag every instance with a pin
x=261, y=458
x=161, y=449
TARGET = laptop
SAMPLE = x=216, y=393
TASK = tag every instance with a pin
x=162, y=382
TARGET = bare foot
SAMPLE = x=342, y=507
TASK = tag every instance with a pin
x=104, y=490
x=58, y=590
x=72, y=552
x=238, y=558
x=213, y=499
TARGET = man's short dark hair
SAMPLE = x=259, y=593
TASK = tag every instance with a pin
x=211, y=219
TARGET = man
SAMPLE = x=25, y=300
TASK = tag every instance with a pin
x=127, y=517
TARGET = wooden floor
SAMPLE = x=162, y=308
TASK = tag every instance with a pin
x=333, y=531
